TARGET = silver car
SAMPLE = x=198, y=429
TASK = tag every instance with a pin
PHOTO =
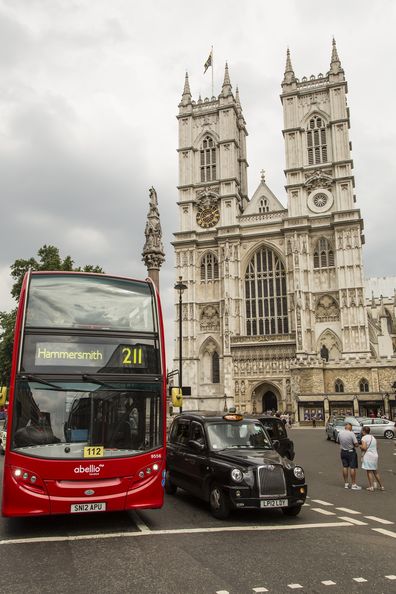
x=380, y=427
x=336, y=424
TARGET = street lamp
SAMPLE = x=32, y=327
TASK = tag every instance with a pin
x=181, y=287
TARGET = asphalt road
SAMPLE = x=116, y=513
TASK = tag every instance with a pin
x=343, y=541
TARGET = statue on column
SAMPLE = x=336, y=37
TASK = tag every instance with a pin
x=153, y=250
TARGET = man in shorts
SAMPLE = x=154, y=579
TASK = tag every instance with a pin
x=348, y=444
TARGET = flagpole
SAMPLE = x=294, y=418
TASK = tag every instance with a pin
x=212, y=73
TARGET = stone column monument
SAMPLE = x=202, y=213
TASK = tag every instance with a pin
x=153, y=250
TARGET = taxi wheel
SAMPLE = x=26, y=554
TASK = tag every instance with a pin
x=170, y=487
x=219, y=504
x=291, y=511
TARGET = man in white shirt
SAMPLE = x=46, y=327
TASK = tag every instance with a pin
x=348, y=444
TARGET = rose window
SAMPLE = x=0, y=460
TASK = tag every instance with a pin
x=320, y=200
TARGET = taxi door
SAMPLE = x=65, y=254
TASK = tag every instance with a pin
x=196, y=459
x=176, y=451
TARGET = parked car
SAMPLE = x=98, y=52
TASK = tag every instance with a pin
x=277, y=431
x=380, y=427
x=335, y=424
x=229, y=461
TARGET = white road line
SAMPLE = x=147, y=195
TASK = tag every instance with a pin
x=353, y=521
x=390, y=577
x=222, y=592
x=360, y=580
x=294, y=586
x=260, y=590
x=306, y=505
x=325, y=512
x=348, y=511
x=322, y=502
x=379, y=520
x=141, y=525
x=174, y=531
x=328, y=583
x=386, y=532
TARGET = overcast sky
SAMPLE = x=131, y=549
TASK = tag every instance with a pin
x=88, y=97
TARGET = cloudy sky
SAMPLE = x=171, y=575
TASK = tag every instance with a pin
x=89, y=92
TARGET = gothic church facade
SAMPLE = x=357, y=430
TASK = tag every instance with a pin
x=275, y=315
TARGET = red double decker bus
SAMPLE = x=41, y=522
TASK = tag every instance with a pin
x=86, y=417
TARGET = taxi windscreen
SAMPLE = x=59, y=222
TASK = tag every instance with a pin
x=245, y=434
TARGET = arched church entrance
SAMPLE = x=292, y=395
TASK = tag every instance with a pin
x=269, y=401
x=266, y=397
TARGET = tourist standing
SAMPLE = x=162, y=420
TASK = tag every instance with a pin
x=370, y=459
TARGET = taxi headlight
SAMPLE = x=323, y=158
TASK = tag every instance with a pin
x=298, y=472
x=236, y=475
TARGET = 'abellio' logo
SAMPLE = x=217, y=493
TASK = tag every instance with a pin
x=91, y=469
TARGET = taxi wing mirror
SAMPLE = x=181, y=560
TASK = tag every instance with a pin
x=276, y=444
x=196, y=445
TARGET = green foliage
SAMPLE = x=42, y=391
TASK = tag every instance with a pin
x=7, y=324
x=48, y=258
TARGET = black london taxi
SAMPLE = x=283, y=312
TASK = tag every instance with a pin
x=229, y=460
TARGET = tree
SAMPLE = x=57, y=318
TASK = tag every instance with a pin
x=48, y=259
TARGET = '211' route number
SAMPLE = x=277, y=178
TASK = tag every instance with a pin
x=132, y=356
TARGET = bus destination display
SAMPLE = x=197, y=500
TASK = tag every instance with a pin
x=63, y=354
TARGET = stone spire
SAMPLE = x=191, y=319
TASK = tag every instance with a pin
x=186, y=96
x=153, y=250
x=335, y=64
x=289, y=76
x=226, y=88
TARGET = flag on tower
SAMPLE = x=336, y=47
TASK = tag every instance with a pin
x=208, y=61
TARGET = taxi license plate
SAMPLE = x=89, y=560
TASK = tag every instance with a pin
x=274, y=503
x=80, y=508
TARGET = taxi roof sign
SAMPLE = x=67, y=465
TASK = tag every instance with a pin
x=233, y=417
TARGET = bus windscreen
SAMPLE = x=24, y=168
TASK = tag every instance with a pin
x=89, y=302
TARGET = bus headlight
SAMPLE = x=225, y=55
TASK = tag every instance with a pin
x=298, y=472
x=236, y=475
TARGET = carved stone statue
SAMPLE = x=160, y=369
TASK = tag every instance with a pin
x=153, y=250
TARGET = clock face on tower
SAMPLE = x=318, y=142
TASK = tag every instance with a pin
x=208, y=216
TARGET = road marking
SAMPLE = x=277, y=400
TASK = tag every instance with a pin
x=306, y=505
x=353, y=521
x=222, y=592
x=174, y=531
x=294, y=586
x=328, y=583
x=386, y=532
x=325, y=512
x=322, y=502
x=348, y=511
x=260, y=590
x=360, y=580
x=390, y=577
x=379, y=520
x=141, y=525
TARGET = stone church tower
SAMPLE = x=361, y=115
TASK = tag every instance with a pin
x=274, y=315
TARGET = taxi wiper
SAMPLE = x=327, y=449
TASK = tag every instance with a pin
x=89, y=378
x=35, y=378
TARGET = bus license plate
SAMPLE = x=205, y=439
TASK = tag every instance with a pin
x=274, y=503
x=80, y=508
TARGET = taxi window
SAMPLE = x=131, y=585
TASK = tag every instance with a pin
x=270, y=427
x=180, y=432
x=281, y=430
x=197, y=433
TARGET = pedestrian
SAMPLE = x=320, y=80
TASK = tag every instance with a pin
x=370, y=459
x=348, y=444
x=313, y=420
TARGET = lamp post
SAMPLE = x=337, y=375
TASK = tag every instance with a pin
x=181, y=287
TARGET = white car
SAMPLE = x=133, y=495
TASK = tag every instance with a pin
x=380, y=427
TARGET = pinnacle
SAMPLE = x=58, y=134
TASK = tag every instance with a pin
x=289, y=75
x=226, y=88
x=186, y=90
x=335, y=64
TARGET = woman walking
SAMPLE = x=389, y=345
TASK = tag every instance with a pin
x=370, y=459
